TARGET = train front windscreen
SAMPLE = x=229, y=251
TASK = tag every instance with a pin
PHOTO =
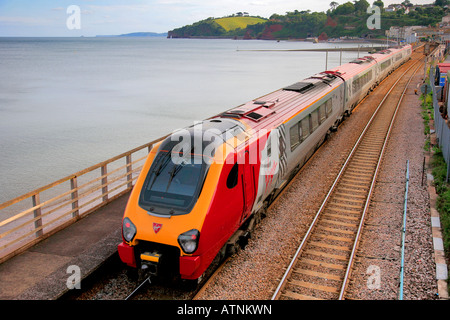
x=172, y=187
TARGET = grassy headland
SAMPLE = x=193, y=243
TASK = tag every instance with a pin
x=232, y=23
x=348, y=19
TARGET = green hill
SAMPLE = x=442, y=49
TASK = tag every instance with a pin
x=348, y=19
x=232, y=23
x=226, y=27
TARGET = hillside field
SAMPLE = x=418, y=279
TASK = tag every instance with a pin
x=232, y=23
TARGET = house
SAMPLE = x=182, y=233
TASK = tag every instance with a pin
x=409, y=34
x=446, y=20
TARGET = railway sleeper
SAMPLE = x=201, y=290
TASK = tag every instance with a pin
x=312, y=286
x=317, y=281
x=296, y=296
x=348, y=199
x=318, y=276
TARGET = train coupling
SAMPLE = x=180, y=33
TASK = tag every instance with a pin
x=150, y=262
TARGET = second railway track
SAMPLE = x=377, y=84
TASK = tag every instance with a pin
x=322, y=264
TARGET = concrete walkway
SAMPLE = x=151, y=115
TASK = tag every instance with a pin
x=42, y=272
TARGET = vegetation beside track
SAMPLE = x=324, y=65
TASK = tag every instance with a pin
x=439, y=171
x=443, y=190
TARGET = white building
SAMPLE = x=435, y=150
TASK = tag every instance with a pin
x=407, y=34
x=446, y=20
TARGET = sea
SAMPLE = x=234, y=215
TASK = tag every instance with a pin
x=69, y=103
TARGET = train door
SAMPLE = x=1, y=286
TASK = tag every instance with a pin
x=348, y=94
x=248, y=185
x=339, y=99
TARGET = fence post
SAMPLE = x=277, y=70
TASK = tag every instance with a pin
x=37, y=213
x=105, y=183
x=448, y=156
x=129, y=174
x=74, y=196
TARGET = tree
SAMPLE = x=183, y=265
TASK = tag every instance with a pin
x=345, y=8
x=333, y=5
x=379, y=3
x=407, y=3
x=361, y=5
x=441, y=3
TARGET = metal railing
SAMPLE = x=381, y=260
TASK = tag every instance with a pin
x=32, y=217
x=441, y=126
x=405, y=210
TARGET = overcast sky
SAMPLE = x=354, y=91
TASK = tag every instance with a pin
x=105, y=17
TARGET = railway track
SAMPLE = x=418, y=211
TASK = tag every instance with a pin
x=321, y=266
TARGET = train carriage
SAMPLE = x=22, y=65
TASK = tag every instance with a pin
x=203, y=188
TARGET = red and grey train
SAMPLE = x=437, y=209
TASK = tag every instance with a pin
x=192, y=202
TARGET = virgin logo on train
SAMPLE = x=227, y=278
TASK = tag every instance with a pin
x=157, y=227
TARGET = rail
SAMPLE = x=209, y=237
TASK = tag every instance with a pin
x=46, y=210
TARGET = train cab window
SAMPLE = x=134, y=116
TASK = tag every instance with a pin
x=295, y=136
x=233, y=177
x=172, y=188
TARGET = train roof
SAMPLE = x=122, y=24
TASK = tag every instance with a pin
x=443, y=67
x=357, y=66
x=270, y=110
x=277, y=107
x=349, y=70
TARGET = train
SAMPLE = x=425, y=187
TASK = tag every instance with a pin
x=204, y=188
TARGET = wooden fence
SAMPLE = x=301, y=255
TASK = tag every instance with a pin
x=32, y=217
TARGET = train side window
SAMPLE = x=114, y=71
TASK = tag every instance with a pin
x=294, y=136
x=385, y=64
x=233, y=176
x=322, y=113
x=329, y=107
x=304, y=125
x=315, y=119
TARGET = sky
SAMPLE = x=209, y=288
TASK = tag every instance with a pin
x=58, y=18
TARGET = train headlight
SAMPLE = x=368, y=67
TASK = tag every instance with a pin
x=128, y=229
x=189, y=240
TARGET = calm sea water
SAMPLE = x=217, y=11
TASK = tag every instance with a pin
x=69, y=103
